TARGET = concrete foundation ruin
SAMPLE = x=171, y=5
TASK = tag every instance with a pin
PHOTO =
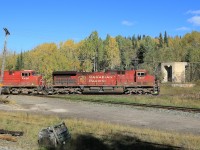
x=173, y=72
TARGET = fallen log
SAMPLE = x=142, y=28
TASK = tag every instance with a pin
x=13, y=133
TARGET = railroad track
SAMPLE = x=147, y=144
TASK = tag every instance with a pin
x=184, y=109
x=175, y=108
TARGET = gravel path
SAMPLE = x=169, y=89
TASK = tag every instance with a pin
x=147, y=118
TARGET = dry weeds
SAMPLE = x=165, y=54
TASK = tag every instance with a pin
x=105, y=134
x=8, y=138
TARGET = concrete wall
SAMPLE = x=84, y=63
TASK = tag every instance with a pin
x=173, y=72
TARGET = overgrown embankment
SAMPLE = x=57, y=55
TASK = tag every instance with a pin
x=95, y=135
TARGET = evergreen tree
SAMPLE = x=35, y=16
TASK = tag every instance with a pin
x=22, y=60
x=160, y=40
x=17, y=66
x=139, y=37
x=20, y=63
x=166, y=39
x=141, y=53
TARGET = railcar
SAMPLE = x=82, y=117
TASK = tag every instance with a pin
x=127, y=82
x=22, y=82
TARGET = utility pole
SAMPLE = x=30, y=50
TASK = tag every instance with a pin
x=95, y=63
x=95, y=69
x=4, y=57
x=96, y=60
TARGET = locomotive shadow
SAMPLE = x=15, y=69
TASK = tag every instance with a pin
x=117, y=142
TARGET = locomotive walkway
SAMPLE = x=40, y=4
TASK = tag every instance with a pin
x=141, y=117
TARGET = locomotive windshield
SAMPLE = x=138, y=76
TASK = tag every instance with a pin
x=26, y=74
x=141, y=74
x=29, y=73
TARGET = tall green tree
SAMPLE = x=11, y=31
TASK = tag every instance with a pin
x=127, y=52
x=91, y=52
x=20, y=62
x=96, y=46
x=160, y=40
x=166, y=39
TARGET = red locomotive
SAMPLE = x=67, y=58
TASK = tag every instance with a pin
x=128, y=82
x=24, y=81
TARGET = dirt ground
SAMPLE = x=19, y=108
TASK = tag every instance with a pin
x=125, y=115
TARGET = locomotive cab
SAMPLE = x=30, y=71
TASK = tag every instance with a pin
x=140, y=75
x=29, y=77
x=143, y=78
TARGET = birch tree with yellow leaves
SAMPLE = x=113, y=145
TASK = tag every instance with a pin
x=112, y=53
x=70, y=50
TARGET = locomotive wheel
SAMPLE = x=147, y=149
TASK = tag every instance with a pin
x=127, y=92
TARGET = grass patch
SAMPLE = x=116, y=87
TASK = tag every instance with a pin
x=168, y=89
x=169, y=96
x=4, y=100
x=95, y=135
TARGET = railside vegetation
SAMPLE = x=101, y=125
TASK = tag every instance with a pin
x=169, y=96
x=95, y=135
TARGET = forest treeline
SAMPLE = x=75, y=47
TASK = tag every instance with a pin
x=96, y=54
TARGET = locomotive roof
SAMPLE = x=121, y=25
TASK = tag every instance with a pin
x=75, y=72
x=64, y=72
x=19, y=70
x=26, y=70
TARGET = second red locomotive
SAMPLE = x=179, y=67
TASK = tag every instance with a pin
x=128, y=82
